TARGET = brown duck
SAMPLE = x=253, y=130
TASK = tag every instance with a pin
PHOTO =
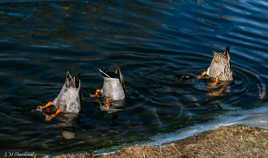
x=220, y=68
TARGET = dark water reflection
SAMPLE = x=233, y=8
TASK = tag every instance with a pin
x=160, y=46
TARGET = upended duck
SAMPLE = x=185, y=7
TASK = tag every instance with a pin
x=220, y=68
x=68, y=100
x=113, y=87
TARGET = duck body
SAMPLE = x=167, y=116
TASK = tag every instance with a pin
x=69, y=98
x=220, y=66
x=113, y=86
x=113, y=89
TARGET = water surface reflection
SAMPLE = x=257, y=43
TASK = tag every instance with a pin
x=160, y=46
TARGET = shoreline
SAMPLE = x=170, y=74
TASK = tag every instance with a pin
x=224, y=141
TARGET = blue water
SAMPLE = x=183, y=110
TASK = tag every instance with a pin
x=160, y=46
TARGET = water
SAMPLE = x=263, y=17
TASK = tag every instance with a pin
x=160, y=46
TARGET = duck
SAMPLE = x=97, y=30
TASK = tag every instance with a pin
x=220, y=68
x=68, y=100
x=113, y=89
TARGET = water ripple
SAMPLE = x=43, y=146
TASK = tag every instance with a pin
x=160, y=46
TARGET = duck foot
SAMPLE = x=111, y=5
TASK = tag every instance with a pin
x=41, y=108
x=50, y=117
x=217, y=81
x=107, y=104
x=202, y=76
x=97, y=94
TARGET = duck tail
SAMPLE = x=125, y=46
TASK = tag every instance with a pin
x=121, y=78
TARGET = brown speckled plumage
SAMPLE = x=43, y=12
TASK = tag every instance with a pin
x=221, y=66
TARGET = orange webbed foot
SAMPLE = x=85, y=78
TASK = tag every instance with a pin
x=202, y=75
x=107, y=103
x=97, y=94
x=41, y=108
x=50, y=117
x=217, y=81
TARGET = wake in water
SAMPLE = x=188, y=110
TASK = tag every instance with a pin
x=160, y=47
